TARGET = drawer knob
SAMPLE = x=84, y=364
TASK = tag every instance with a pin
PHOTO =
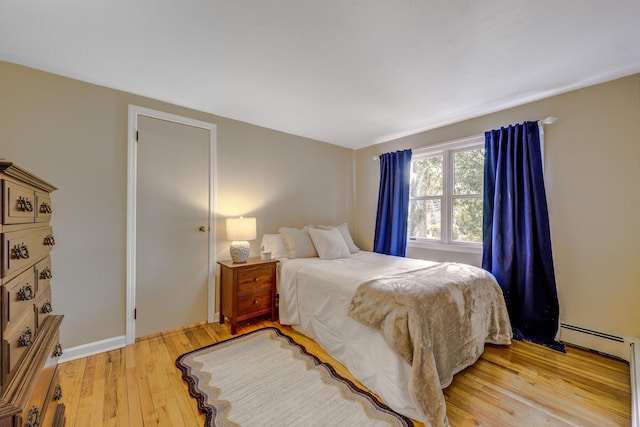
x=255, y=302
x=57, y=351
x=24, y=204
x=49, y=240
x=33, y=420
x=45, y=208
x=46, y=273
x=26, y=339
x=46, y=307
x=26, y=293
x=256, y=280
x=20, y=251
x=57, y=394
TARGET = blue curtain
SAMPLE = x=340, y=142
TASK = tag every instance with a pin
x=516, y=236
x=393, y=204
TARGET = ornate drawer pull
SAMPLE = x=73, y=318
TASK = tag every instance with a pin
x=26, y=339
x=20, y=251
x=26, y=293
x=45, y=208
x=46, y=307
x=24, y=204
x=33, y=420
x=57, y=394
x=46, y=273
x=49, y=240
x=57, y=351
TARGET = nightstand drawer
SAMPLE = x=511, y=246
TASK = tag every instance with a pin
x=253, y=303
x=255, y=279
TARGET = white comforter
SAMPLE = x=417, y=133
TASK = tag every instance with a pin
x=314, y=298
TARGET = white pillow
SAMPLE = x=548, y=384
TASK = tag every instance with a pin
x=344, y=230
x=299, y=244
x=329, y=243
x=274, y=243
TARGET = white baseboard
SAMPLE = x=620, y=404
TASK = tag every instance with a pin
x=109, y=344
x=92, y=348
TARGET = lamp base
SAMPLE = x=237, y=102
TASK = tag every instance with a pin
x=239, y=250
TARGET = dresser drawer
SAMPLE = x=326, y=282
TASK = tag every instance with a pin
x=18, y=297
x=44, y=208
x=54, y=414
x=43, y=307
x=22, y=248
x=38, y=404
x=17, y=338
x=43, y=274
x=19, y=203
x=249, y=304
x=45, y=413
x=255, y=280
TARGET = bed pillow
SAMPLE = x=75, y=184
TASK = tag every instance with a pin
x=274, y=243
x=329, y=243
x=344, y=231
x=298, y=242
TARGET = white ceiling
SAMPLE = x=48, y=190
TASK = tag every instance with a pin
x=350, y=72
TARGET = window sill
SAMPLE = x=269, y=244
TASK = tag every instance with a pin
x=450, y=247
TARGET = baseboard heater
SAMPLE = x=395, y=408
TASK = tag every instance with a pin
x=592, y=332
x=626, y=348
x=599, y=342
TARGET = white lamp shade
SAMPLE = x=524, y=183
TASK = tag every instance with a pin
x=241, y=229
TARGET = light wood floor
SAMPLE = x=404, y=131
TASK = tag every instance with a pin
x=520, y=385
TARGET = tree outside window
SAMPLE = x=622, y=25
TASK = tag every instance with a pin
x=445, y=202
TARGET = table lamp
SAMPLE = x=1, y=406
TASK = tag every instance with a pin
x=239, y=231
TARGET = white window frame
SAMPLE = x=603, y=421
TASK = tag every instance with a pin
x=447, y=149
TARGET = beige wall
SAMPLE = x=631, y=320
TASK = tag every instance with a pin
x=592, y=176
x=74, y=135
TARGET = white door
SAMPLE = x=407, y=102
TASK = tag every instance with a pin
x=172, y=216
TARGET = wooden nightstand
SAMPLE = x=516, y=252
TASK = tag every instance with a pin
x=247, y=290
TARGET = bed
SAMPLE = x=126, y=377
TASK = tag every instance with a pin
x=321, y=298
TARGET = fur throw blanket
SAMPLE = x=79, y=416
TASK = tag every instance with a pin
x=437, y=319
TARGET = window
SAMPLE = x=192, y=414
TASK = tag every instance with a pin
x=445, y=202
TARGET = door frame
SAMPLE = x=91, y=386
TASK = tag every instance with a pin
x=132, y=156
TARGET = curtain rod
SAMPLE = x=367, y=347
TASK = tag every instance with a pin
x=546, y=121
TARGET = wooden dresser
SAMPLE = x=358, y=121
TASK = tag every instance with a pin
x=30, y=333
x=247, y=290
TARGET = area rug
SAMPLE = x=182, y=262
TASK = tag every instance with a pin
x=264, y=378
